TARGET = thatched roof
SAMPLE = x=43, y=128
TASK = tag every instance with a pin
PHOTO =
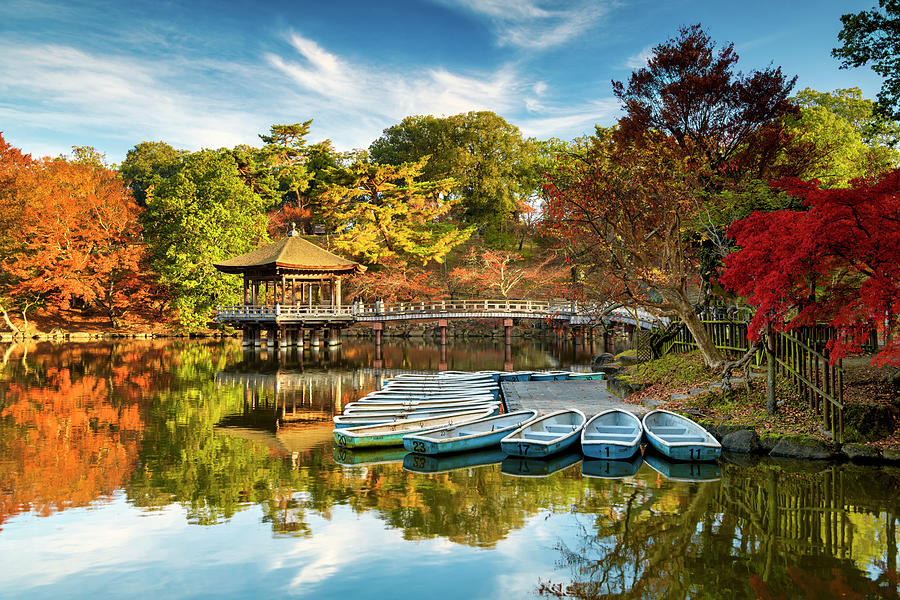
x=293, y=252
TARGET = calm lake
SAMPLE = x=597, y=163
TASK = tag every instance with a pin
x=195, y=470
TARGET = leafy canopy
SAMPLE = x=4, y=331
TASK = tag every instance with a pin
x=873, y=37
x=381, y=211
x=834, y=262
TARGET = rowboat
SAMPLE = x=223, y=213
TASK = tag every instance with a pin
x=470, y=436
x=538, y=467
x=355, y=408
x=689, y=472
x=388, y=395
x=391, y=434
x=423, y=463
x=549, y=375
x=545, y=435
x=445, y=376
x=611, y=469
x=612, y=434
x=586, y=376
x=357, y=419
x=678, y=437
x=516, y=376
x=388, y=404
x=368, y=457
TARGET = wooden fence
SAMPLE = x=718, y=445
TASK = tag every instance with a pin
x=801, y=357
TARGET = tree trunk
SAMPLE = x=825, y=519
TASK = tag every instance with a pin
x=713, y=358
x=770, y=371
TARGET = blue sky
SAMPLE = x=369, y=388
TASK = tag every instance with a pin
x=211, y=74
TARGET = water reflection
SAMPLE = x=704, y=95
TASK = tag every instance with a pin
x=222, y=434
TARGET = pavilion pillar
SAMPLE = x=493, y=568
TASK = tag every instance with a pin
x=314, y=342
x=337, y=292
x=245, y=289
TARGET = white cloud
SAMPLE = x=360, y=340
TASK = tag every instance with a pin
x=64, y=89
x=573, y=122
x=639, y=60
x=333, y=84
x=536, y=24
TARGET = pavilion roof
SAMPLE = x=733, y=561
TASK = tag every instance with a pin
x=293, y=252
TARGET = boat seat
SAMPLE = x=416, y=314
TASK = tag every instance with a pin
x=613, y=437
x=667, y=431
x=540, y=435
x=684, y=438
x=559, y=428
x=614, y=428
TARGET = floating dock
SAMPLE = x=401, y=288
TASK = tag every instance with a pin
x=590, y=397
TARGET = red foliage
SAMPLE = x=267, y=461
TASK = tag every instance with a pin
x=837, y=262
x=394, y=280
x=78, y=237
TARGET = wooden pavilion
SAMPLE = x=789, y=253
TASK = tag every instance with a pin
x=289, y=286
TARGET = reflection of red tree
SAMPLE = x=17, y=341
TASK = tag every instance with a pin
x=64, y=444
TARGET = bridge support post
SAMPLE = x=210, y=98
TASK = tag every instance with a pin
x=314, y=342
x=507, y=326
x=442, y=325
x=334, y=336
x=377, y=328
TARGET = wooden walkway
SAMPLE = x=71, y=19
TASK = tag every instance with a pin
x=590, y=397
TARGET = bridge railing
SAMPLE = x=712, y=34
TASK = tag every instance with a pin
x=373, y=311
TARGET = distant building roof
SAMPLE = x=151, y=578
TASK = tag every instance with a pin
x=293, y=252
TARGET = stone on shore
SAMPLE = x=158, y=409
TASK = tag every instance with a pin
x=745, y=441
x=805, y=448
x=861, y=452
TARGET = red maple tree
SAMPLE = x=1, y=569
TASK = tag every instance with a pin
x=77, y=237
x=837, y=262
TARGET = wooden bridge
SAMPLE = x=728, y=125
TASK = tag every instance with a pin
x=287, y=323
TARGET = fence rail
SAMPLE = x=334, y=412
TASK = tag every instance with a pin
x=800, y=357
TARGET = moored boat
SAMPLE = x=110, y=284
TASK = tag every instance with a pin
x=357, y=419
x=470, y=436
x=545, y=435
x=516, y=376
x=586, y=376
x=390, y=404
x=612, y=434
x=391, y=434
x=679, y=438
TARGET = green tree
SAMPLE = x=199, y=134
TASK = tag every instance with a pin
x=202, y=214
x=386, y=211
x=148, y=164
x=850, y=139
x=491, y=163
x=873, y=36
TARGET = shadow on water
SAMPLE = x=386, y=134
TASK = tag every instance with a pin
x=217, y=432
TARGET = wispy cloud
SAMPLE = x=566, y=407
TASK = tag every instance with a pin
x=574, y=121
x=639, y=60
x=58, y=87
x=536, y=24
x=331, y=83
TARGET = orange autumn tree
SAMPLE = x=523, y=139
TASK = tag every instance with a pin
x=79, y=239
x=506, y=274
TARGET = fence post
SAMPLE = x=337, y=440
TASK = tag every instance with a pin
x=770, y=371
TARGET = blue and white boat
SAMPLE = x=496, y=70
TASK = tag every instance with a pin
x=357, y=419
x=613, y=434
x=549, y=375
x=679, y=438
x=519, y=466
x=598, y=376
x=391, y=434
x=516, y=376
x=473, y=435
x=411, y=405
x=545, y=435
